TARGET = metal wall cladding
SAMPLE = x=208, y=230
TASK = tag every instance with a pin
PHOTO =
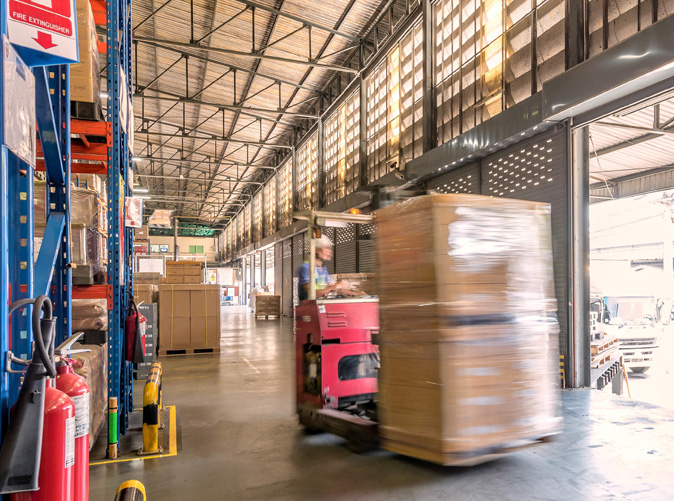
x=536, y=170
x=287, y=288
x=345, y=249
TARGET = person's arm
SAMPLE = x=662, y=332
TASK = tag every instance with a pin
x=322, y=292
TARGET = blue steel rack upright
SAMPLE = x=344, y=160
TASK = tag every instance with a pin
x=120, y=241
x=21, y=276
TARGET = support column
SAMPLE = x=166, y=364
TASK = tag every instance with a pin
x=320, y=175
x=293, y=183
x=362, y=156
x=176, y=249
x=574, y=36
x=579, y=333
x=428, y=124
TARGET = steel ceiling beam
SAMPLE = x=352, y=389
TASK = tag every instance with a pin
x=212, y=137
x=231, y=66
x=299, y=19
x=207, y=162
x=151, y=15
x=231, y=107
x=219, y=50
x=197, y=180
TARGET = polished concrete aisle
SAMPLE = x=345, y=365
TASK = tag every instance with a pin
x=240, y=440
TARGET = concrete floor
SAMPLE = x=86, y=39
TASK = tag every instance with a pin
x=240, y=440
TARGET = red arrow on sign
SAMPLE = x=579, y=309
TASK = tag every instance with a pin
x=44, y=40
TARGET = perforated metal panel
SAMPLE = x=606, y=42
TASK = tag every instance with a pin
x=366, y=250
x=287, y=289
x=536, y=170
x=345, y=249
x=463, y=180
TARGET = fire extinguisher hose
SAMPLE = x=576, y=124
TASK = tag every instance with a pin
x=43, y=329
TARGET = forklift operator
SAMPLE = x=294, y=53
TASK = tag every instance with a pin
x=324, y=282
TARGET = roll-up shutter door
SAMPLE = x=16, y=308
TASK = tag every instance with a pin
x=287, y=292
x=536, y=170
x=330, y=233
x=366, y=252
x=345, y=249
x=465, y=179
x=298, y=259
x=278, y=268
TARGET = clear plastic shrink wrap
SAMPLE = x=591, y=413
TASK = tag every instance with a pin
x=89, y=315
x=469, y=336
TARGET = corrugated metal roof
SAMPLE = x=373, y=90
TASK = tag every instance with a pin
x=189, y=72
x=629, y=144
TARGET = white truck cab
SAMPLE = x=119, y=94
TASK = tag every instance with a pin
x=636, y=321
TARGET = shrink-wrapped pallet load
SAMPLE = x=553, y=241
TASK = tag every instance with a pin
x=468, y=327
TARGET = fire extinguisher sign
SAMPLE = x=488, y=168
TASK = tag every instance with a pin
x=47, y=28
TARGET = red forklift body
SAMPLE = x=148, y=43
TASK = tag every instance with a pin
x=336, y=362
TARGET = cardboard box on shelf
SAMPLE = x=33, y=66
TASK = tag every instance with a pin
x=85, y=82
x=141, y=233
x=189, y=316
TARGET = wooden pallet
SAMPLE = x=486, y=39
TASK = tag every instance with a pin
x=597, y=347
x=188, y=351
x=600, y=359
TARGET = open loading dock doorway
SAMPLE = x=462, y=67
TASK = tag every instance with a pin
x=631, y=189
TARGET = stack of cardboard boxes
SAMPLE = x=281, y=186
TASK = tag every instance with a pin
x=85, y=83
x=189, y=318
x=183, y=272
x=141, y=240
x=468, y=327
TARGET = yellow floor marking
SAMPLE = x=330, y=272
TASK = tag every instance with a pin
x=173, y=441
x=248, y=362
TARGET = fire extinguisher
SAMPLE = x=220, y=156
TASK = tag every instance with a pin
x=76, y=388
x=39, y=448
x=136, y=325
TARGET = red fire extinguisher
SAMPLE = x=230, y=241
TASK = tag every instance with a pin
x=76, y=388
x=58, y=449
x=135, y=328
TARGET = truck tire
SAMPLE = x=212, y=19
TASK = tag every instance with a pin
x=639, y=370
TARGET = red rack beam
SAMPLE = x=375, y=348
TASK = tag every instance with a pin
x=93, y=292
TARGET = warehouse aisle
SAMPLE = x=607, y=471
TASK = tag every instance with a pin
x=240, y=440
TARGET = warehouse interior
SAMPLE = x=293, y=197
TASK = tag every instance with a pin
x=290, y=249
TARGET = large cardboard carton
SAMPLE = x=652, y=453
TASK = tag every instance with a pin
x=85, y=82
x=189, y=316
x=147, y=278
x=146, y=293
x=468, y=336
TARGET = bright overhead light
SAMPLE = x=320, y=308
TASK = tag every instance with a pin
x=143, y=197
x=137, y=159
x=138, y=189
x=104, y=95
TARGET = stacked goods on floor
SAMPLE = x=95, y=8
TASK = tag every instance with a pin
x=189, y=318
x=85, y=84
x=141, y=240
x=145, y=293
x=468, y=327
x=92, y=365
x=183, y=272
x=150, y=312
x=266, y=305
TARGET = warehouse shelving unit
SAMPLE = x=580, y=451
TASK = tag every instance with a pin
x=97, y=148
x=120, y=174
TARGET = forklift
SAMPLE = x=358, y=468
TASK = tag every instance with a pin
x=336, y=352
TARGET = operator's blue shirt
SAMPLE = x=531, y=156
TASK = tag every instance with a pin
x=323, y=279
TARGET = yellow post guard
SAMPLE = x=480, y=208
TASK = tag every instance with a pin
x=152, y=404
x=131, y=490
